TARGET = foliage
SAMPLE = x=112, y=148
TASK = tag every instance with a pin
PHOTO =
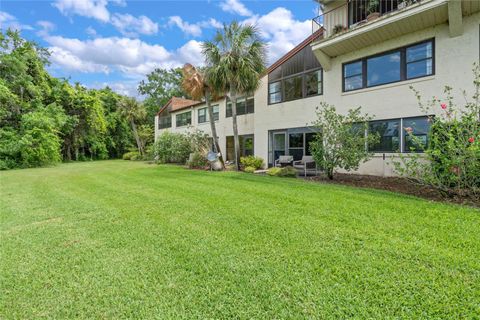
x=45, y=120
x=132, y=155
x=159, y=87
x=249, y=169
x=172, y=148
x=235, y=62
x=252, y=161
x=287, y=171
x=199, y=141
x=341, y=141
x=197, y=160
x=451, y=162
x=373, y=6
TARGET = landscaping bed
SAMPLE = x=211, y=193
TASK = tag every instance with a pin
x=394, y=184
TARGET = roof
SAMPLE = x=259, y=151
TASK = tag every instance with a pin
x=179, y=104
x=314, y=36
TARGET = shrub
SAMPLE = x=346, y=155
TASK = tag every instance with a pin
x=132, y=155
x=172, y=148
x=451, y=162
x=249, y=169
x=197, y=161
x=287, y=171
x=341, y=143
x=251, y=161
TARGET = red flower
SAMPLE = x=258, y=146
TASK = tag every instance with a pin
x=443, y=106
x=471, y=140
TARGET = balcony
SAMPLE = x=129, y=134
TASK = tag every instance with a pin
x=355, y=24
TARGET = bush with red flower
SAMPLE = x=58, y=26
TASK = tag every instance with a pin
x=451, y=162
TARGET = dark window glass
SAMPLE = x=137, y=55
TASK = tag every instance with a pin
x=313, y=83
x=184, y=119
x=202, y=115
x=216, y=112
x=293, y=88
x=275, y=74
x=297, y=153
x=275, y=92
x=383, y=69
x=246, y=146
x=420, y=60
x=295, y=140
x=309, y=138
x=388, y=132
x=353, y=76
x=417, y=139
x=311, y=62
x=164, y=122
x=244, y=106
x=294, y=65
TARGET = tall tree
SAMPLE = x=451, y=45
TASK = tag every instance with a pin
x=195, y=83
x=235, y=60
x=159, y=87
x=134, y=112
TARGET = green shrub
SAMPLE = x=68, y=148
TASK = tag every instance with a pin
x=197, y=161
x=251, y=161
x=172, y=148
x=132, y=155
x=288, y=171
x=249, y=169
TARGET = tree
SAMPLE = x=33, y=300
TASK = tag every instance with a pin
x=236, y=60
x=341, y=141
x=133, y=112
x=159, y=87
x=194, y=82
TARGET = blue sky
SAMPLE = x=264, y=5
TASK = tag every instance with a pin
x=117, y=42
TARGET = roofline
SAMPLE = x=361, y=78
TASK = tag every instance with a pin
x=292, y=52
x=182, y=108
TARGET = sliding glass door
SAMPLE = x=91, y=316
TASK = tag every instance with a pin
x=294, y=142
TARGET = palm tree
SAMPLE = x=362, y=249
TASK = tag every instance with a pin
x=133, y=111
x=236, y=60
x=194, y=83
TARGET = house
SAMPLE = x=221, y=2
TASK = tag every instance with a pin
x=361, y=53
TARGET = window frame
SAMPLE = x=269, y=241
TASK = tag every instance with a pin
x=303, y=74
x=205, y=115
x=160, y=127
x=181, y=114
x=245, y=99
x=403, y=65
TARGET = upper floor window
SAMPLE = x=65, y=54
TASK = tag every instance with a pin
x=244, y=106
x=165, y=122
x=184, y=119
x=203, y=114
x=299, y=77
x=405, y=63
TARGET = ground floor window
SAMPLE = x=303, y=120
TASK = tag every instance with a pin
x=246, y=146
x=294, y=142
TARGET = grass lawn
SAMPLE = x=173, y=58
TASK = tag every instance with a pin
x=118, y=239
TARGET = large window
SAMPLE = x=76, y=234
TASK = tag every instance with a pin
x=299, y=77
x=294, y=142
x=246, y=146
x=244, y=106
x=184, y=119
x=405, y=63
x=203, y=114
x=165, y=121
x=395, y=135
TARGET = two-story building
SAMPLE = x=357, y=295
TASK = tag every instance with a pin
x=361, y=53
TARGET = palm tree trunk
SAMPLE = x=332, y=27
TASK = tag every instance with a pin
x=137, y=138
x=233, y=99
x=213, y=127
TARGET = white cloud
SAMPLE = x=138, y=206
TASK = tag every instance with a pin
x=193, y=29
x=281, y=31
x=7, y=21
x=45, y=27
x=131, y=26
x=190, y=29
x=236, y=7
x=91, y=31
x=96, y=9
x=133, y=57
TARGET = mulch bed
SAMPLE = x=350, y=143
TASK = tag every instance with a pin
x=393, y=184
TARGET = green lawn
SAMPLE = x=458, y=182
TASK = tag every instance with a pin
x=118, y=239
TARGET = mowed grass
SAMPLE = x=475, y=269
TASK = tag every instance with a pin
x=120, y=239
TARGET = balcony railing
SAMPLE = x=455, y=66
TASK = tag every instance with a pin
x=355, y=13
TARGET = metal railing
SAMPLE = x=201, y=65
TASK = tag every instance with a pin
x=354, y=13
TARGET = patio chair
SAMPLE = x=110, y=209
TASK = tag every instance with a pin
x=283, y=161
x=307, y=164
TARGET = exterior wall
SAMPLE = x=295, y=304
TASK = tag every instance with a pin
x=454, y=58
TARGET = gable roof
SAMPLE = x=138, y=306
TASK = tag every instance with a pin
x=314, y=36
x=178, y=104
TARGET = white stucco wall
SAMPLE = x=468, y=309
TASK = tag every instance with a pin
x=454, y=58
